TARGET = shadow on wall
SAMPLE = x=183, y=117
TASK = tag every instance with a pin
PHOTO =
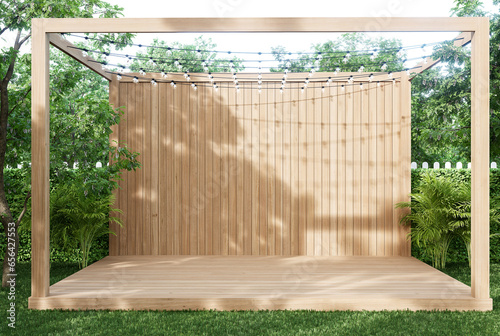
x=251, y=173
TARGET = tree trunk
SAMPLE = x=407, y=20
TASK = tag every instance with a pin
x=5, y=214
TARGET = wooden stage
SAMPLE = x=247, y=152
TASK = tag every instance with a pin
x=253, y=283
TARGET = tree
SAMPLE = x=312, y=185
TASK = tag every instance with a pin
x=161, y=56
x=15, y=17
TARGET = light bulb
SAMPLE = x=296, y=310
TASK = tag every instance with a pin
x=348, y=55
x=164, y=74
x=329, y=81
x=153, y=82
x=151, y=60
x=259, y=87
x=195, y=88
x=342, y=88
x=322, y=89
x=408, y=72
x=281, y=90
x=193, y=85
x=259, y=76
x=135, y=80
x=361, y=86
x=384, y=66
x=118, y=77
x=320, y=56
x=85, y=54
x=302, y=90
x=215, y=85
x=259, y=81
x=260, y=91
x=175, y=86
x=389, y=74
x=205, y=68
x=378, y=83
x=186, y=75
x=345, y=60
x=307, y=81
x=176, y=63
x=188, y=78
x=370, y=78
x=351, y=79
x=361, y=68
x=198, y=53
x=172, y=83
x=231, y=64
x=142, y=72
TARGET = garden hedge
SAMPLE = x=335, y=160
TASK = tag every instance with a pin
x=15, y=182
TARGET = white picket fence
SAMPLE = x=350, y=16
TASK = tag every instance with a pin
x=448, y=165
x=75, y=165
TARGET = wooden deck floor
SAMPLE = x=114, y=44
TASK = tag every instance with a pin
x=250, y=282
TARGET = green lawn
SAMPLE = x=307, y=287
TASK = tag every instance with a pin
x=31, y=322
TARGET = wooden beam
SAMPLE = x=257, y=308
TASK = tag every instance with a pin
x=260, y=25
x=480, y=158
x=40, y=161
x=461, y=40
x=71, y=50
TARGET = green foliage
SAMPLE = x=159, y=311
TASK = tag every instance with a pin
x=440, y=212
x=78, y=218
x=458, y=251
x=357, y=44
x=165, y=56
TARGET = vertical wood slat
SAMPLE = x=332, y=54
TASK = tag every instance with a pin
x=380, y=229
x=317, y=185
x=389, y=203
x=193, y=209
x=114, y=96
x=303, y=181
x=325, y=171
x=123, y=184
x=232, y=172
x=278, y=191
x=263, y=206
x=334, y=183
x=356, y=164
x=224, y=169
x=372, y=170
x=286, y=164
x=349, y=158
x=201, y=200
x=145, y=189
x=294, y=169
x=154, y=193
x=269, y=97
x=365, y=168
x=341, y=191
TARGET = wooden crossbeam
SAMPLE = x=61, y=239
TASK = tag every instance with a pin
x=71, y=50
x=461, y=40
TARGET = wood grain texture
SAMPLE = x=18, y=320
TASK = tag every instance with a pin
x=248, y=282
x=266, y=173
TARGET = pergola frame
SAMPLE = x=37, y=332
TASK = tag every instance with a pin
x=45, y=32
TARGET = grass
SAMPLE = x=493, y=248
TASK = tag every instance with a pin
x=31, y=322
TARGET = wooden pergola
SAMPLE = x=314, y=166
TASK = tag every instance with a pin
x=476, y=30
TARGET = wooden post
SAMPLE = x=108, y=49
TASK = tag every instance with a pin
x=40, y=161
x=480, y=156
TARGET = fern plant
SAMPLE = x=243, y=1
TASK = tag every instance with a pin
x=440, y=212
x=78, y=219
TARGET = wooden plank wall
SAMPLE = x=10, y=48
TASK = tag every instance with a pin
x=249, y=173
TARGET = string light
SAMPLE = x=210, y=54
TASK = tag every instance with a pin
x=118, y=77
x=142, y=72
x=302, y=90
x=378, y=84
x=329, y=81
x=135, y=80
x=361, y=68
x=370, y=78
x=384, y=66
x=322, y=89
x=361, y=86
x=342, y=88
x=164, y=74
x=153, y=82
